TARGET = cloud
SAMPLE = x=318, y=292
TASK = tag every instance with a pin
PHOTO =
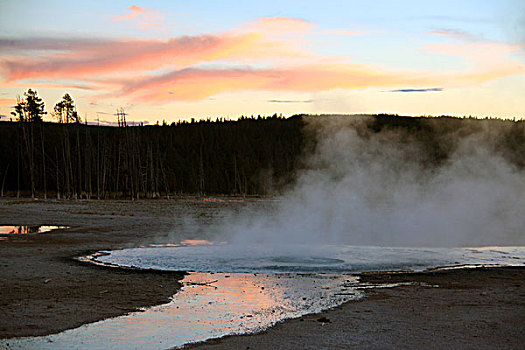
x=290, y=101
x=134, y=11
x=194, y=84
x=82, y=58
x=7, y=102
x=282, y=25
x=451, y=33
x=106, y=56
x=483, y=53
x=485, y=60
x=417, y=90
x=265, y=55
x=51, y=85
x=143, y=16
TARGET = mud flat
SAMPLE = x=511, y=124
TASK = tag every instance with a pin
x=45, y=291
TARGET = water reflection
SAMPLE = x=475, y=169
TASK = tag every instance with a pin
x=18, y=230
x=209, y=305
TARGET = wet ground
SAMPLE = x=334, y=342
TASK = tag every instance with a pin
x=45, y=291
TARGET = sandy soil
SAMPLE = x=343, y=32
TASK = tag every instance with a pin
x=44, y=291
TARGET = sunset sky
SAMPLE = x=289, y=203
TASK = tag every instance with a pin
x=172, y=60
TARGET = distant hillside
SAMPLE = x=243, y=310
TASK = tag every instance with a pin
x=251, y=156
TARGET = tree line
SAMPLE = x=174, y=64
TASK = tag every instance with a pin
x=68, y=159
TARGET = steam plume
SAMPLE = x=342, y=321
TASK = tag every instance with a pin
x=431, y=184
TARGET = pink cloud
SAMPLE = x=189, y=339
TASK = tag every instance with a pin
x=485, y=58
x=446, y=32
x=145, y=17
x=103, y=63
x=282, y=25
x=197, y=84
x=134, y=12
x=167, y=70
x=86, y=59
x=81, y=58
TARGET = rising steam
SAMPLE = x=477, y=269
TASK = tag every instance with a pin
x=364, y=185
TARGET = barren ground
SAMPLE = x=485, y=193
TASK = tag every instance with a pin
x=45, y=291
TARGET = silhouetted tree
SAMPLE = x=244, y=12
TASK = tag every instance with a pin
x=29, y=111
x=34, y=106
x=65, y=110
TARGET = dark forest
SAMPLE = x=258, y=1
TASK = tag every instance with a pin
x=249, y=156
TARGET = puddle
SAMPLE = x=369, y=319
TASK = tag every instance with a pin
x=24, y=230
x=209, y=305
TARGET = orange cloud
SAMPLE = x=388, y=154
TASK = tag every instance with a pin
x=197, y=84
x=134, y=12
x=81, y=58
x=167, y=70
x=7, y=102
x=487, y=60
x=38, y=85
x=145, y=17
x=482, y=53
x=282, y=25
x=448, y=32
x=108, y=57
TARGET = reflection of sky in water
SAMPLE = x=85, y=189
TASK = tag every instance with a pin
x=6, y=230
x=208, y=306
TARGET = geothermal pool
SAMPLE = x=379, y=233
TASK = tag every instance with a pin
x=297, y=258
x=234, y=289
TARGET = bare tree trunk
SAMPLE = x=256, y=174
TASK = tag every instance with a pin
x=18, y=174
x=98, y=161
x=151, y=172
x=103, y=166
x=28, y=143
x=67, y=193
x=3, y=180
x=236, y=177
x=66, y=155
x=87, y=162
x=79, y=161
x=32, y=161
x=57, y=174
x=201, y=174
x=118, y=168
x=43, y=161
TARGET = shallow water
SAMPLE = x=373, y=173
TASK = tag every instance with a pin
x=307, y=258
x=244, y=289
x=17, y=230
x=208, y=306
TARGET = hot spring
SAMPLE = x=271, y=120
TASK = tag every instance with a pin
x=364, y=199
x=235, y=289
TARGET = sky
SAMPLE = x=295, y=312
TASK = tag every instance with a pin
x=176, y=60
